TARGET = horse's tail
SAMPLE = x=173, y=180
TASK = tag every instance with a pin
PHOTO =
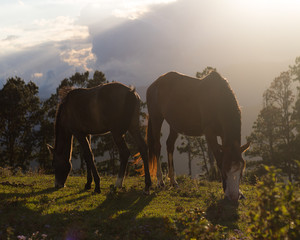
x=152, y=157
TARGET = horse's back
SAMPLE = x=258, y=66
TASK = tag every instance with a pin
x=99, y=109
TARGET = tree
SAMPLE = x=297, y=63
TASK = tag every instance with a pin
x=195, y=147
x=20, y=116
x=265, y=135
x=46, y=133
x=273, y=131
x=205, y=72
x=295, y=72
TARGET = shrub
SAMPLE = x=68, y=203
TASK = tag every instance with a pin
x=192, y=224
x=276, y=215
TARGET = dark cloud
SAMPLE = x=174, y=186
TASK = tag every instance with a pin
x=139, y=50
x=187, y=36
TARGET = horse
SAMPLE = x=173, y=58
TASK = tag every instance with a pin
x=195, y=107
x=82, y=112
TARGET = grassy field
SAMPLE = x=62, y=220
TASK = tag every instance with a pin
x=32, y=208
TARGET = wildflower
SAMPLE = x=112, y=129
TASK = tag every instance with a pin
x=21, y=237
x=44, y=235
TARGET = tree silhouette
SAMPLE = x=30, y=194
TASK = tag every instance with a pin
x=273, y=131
x=19, y=117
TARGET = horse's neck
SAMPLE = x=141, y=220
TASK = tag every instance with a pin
x=231, y=125
x=231, y=136
x=64, y=142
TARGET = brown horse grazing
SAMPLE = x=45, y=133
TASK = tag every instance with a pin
x=194, y=107
x=111, y=107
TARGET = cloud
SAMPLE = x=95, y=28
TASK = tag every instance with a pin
x=58, y=20
x=79, y=58
x=135, y=9
x=131, y=13
x=45, y=65
x=136, y=52
x=187, y=36
x=147, y=39
x=10, y=38
x=38, y=75
x=41, y=31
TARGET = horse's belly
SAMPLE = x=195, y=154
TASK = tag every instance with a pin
x=88, y=125
x=186, y=125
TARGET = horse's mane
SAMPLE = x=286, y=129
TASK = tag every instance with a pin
x=232, y=114
x=228, y=106
x=62, y=96
x=63, y=92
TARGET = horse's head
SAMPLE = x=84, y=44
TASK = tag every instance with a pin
x=232, y=169
x=62, y=166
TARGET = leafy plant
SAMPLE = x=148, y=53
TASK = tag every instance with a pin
x=194, y=225
x=276, y=215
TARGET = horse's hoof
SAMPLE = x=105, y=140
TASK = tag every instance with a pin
x=148, y=185
x=161, y=184
x=87, y=187
x=97, y=190
x=146, y=192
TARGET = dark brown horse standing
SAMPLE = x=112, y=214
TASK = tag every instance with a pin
x=111, y=107
x=195, y=107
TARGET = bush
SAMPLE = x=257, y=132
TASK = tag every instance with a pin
x=276, y=215
x=192, y=224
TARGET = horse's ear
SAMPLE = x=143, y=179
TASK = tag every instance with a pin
x=50, y=149
x=245, y=147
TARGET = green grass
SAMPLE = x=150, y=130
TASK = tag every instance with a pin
x=31, y=207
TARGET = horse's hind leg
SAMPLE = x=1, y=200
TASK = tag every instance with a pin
x=124, y=155
x=170, y=148
x=135, y=133
x=89, y=158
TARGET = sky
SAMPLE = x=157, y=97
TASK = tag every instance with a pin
x=135, y=41
x=39, y=39
x=250, y=42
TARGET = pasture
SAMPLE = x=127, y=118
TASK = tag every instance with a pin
x=30, y=207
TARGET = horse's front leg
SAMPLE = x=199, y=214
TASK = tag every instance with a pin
x=89, y=177
x=91, y=167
